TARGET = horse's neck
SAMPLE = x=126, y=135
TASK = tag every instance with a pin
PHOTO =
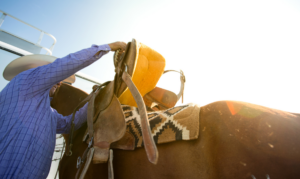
x=66, y=98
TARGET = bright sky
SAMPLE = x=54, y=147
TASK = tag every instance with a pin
x=229, y=50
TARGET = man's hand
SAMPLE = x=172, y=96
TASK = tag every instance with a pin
x=117, y=45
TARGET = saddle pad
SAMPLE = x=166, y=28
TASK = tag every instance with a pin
x=177, y=123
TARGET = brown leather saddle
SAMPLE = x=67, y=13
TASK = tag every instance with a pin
x=161, y=99
x=106, y=120
x=108, y=124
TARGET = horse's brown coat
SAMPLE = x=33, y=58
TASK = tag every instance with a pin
x=66, y=99
x=237, y=140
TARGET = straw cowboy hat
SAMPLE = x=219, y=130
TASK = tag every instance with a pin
x=28, y=62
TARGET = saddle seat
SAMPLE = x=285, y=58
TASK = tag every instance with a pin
x=149, y=67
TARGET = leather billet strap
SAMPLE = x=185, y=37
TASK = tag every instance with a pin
x=80, y=161
x=149, y=144
x=87, y=155
x=182, y=80
x=90, y=116
x=87, y=99
x=87, y=163
x=110, y=165
x=70, y=141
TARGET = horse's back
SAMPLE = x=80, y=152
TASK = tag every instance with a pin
x=246, y=140
x=236, y=140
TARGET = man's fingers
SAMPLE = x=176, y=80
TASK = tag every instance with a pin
x=117, y=45
x=123, y=45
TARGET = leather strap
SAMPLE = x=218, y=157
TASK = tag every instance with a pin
x=88, y=98
x=90, y=116
x=149, y=144
x=182, y=80
x=110, y=165
x=87, y=163
x=70, y=143
x=80, y=161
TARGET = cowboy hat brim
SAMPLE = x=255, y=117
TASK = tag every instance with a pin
x=28, y=62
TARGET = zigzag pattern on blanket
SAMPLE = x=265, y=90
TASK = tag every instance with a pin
x=177, y=123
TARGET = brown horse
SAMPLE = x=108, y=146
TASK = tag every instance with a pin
x=66, y=99
x=236, y=140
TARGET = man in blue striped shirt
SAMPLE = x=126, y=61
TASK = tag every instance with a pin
x=28, y=125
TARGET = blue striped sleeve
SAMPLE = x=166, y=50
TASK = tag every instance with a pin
x=48, y=75
x=64, y=122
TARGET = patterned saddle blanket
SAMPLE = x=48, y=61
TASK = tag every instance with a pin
x=177, y=123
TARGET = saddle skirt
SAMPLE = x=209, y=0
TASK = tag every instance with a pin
x=177, y=123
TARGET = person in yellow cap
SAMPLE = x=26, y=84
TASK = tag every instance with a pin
x=28, y=125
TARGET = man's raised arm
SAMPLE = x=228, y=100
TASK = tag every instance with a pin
x=42, y=78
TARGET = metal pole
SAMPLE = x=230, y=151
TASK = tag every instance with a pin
x=40, y=39
x=60, y=159
x=2, y=19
